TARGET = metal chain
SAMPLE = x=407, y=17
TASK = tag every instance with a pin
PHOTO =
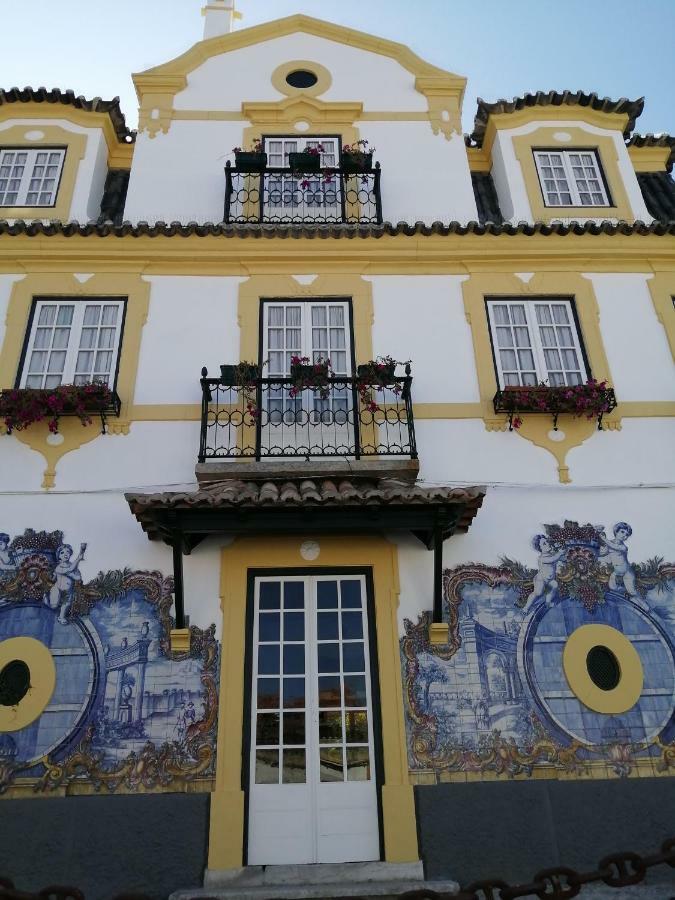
x=561, y=883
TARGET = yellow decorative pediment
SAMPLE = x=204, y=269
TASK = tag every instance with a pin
x=292, y=109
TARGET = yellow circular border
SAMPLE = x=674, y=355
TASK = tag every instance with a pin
x=324, y=78
x=627, y=692
x=39, y=660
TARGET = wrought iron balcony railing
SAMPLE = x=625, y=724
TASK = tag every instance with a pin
x=282, y=196
x=268, y=417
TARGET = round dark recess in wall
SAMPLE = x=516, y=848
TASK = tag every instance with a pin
x=301, y=78
x=603, y=668
x=14, y=682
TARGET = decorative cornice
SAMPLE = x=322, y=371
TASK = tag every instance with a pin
x=291, y=109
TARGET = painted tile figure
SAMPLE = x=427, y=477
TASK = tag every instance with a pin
x=496, y=700
x=616, y=552
x=66, y=574
x=112, y=719
x=545, y=584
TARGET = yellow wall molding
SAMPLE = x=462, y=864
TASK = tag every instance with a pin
x=444, y=95
x=544, y=139
x=345, y=286
x=662, y=289
x=137, y=292
x=480, y=159
x=42, y=670
x=120, y=153
x=323, y=78
x=54, y=136
x=562, y=114
x=386, y=255
x=627, y=692
x=156, y=96
x=319, y=113
x=536, y=428
x=649, y=159
x=228, y=801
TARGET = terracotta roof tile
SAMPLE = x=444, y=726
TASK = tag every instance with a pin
x=632, y=108
x=38, y=228
x=68, y=98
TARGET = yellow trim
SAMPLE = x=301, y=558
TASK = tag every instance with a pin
x=536, y=428
x=504, y=121
x=57, y=137
x=120, y=153
x=627, y=692
x=42, y=681
x=137, y=292
x=544, y=139
x=479, y=158
x=662, y=289
x=180, y=640
x=386, y=255
x=323, y=78
x=228, y=801
x=156, y=88
x=439, y=633
x=649, y=159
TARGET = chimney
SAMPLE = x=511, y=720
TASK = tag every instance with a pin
x=219, y=16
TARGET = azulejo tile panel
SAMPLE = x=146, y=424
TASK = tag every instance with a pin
x=126, y=714
x=496, y=700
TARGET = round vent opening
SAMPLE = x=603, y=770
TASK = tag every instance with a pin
x=14, y=682
x=301, y=78
x=603, y=668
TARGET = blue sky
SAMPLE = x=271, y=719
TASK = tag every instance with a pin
x=504, y=47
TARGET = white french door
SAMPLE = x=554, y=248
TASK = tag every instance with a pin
x=310, y=421
x=313, y=793
x=302, y=196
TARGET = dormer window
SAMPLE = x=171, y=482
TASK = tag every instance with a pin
x=30, y=177
x=571, y=178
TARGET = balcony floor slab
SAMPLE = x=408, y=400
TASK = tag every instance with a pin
x=283, y=469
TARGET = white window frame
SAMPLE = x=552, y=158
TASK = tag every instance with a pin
x=306, y=192
x=598, y=195
x=28, y=175
x=306, y=340
x=68, y=374
x=536, y=344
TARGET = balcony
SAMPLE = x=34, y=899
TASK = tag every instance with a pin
x=346, y=422
x=332, y=196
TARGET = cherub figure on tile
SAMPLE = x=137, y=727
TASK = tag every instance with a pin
x=66, y=573
x=545, y=583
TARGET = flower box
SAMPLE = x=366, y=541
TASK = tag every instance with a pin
x=590, y=400
x=353, y=163
x=22, y=407
x=239, y=374
x=375, y=372
x=304, y=163
x=247, y=161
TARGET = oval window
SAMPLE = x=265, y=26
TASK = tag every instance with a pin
x=301, y=78
x=14, y=682
x=603, y=668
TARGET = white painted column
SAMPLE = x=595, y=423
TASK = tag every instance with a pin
x=219, y=17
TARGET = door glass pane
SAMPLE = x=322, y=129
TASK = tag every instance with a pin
x=330, y=727
x=331, y=764
x=268, y=693
x=294, y=692
x=353, y=658
x=327, y=626
x=267, y=729
x=356, y=727
x=329, y=657
x=294, y=771
x=294, y=659
x=268, y=659
x=294, y=728
x=294, y=626
x=351, y=594
x=329, y=690
x=326, y=592
x=355, y=690
x=270, y=595
x=267, y=767
x=358, y=764
x=269, y=627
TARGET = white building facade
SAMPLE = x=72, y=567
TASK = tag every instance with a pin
x=376, y=611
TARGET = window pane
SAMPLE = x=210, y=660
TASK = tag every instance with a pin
x=330, y=727
x=355, y=690
x=358, y=764
x=353, y=659
x=329, y=690
x=330, y=764
x=268, y=659
x=270, y=595
x=294, y=728
x=269, y=627
x=327, y=626
x=294, y=659
x=267, y=728
x=294, y=693
x=268, y=693
x=518, y=315
x=356, y=727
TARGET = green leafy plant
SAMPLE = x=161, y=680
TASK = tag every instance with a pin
x=310, y=376
x=590, y=400
x=377, y=375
